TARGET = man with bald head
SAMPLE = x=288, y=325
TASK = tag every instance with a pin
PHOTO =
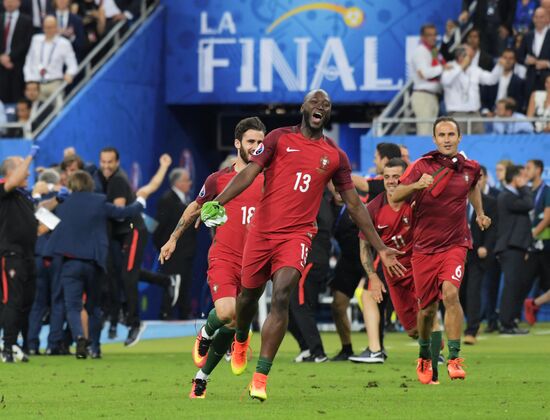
x=18, y=233
x=534, y=52
x=15, y=38
x=297, y=163
x=48, y=55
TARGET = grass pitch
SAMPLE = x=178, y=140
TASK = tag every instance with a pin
x=508, y=378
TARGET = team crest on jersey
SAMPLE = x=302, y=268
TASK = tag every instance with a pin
x=202, y=192
x=259, y=150
x=324, y=162
x=406, y=220
x=466, y=178
x=215, y=288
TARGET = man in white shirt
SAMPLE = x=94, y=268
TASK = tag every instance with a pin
x=425, y=69
x=461, y=81
x=506, y=108
x=47, y=55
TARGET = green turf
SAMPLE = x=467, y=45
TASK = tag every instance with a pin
x=508, y=378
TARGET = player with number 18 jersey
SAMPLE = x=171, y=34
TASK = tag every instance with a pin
x=226, y=252
x=297, y=169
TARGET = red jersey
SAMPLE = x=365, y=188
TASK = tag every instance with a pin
x=297, y=169
x=394, y=228
x=440, y=220
x=229, y=239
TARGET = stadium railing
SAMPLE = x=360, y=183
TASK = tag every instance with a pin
x=86, y=69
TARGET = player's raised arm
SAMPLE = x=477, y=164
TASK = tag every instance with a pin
x=239, y=183
x=404, y=191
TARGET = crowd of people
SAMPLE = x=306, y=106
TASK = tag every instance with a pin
x=84, y=272
x=499, y=68
x=41, y=44
x=414, y=249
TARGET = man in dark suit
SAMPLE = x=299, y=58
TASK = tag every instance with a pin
x=120, y=10
x=510, y=85
x=513, y=240
x=170, y=207
x=494, y=20
x=70, y=26
x=15, y=38
x=481, y=58
x=534, y=52
x=37, y=10
x=83, y=260
x=477, y=261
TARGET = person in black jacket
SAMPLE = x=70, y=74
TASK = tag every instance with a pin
x=13, y=50
x=18, y=233
x=83, y=260
x=513, y=240
x=477, y=261
x=170, y=207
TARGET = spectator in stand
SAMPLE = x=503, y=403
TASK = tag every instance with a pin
x=539, y=106
x=461, y=81
x=37, y=10
x=534, y=52
x=70, y=26
x=480, y=58
x=510, y=85
x=15, y=38
x=120, y=10
x=494, y=20
x=477, y=261
x=48, y=54
x=506, y=109
x=23, y=112
x=545, y=4
x=514, y=238
x=93, y=19
x=523, y=16
x=425, y=69
x=451, y=40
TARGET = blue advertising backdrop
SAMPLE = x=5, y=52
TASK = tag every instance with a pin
x=250, y=51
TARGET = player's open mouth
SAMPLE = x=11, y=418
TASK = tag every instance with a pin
x=317, y=117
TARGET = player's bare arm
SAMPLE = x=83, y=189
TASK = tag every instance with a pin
x=402, y=192
x=156, y=181
x=360, y=183
x=376, y=287
x=361, y=218
x=474, y=196
x=190, y=214
x=239, y=183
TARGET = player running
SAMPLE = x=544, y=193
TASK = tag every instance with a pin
x=440, y=184
x=393, y=222
x=225, y=255
x=299, y=161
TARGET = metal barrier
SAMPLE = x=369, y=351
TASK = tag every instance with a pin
x=86, y=69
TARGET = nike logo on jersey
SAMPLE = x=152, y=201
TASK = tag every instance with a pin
x=288, y=149
x=382, y=227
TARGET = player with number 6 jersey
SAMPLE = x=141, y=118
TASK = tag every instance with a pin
x=297, y=163
x=226, y=251
x=440, y=184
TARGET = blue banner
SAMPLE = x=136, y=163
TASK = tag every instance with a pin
x=253, y=51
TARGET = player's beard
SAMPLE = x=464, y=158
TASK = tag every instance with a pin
x=244, y=155
x=307, y=118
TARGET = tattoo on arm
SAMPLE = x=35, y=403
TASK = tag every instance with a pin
x=366, y=258
x=187, y=219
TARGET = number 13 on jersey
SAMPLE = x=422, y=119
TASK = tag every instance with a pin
x=302, y=182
